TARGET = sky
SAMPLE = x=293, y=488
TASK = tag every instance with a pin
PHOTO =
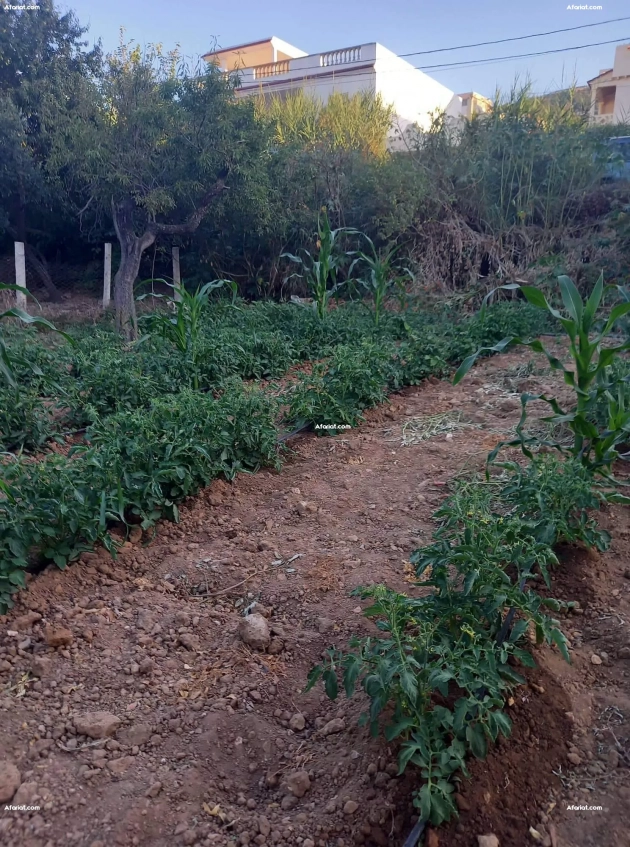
x=403, y=26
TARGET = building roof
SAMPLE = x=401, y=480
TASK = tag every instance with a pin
x=236, y=47
x=599, y=76
x=476, y=95
x=272, y=40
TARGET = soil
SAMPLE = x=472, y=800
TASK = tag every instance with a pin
x=215, y=743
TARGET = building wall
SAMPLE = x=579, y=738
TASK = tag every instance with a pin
x=413, y=94
x=603, y=110
x=621, y=66
x=250, y=55
x=321, y=86
x=622, y=102
x=372, y=68
x=258, y=54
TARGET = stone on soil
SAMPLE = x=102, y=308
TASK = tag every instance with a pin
x=26, y=794
x=10, y=779
x=298, y=783
x=333, y=726
x=58, y=637
x=137, y=735
x=254, y=631
x=487, y=841
x=122, y=765
x=40, y=666
x=153, y=790
x=432, y=839
x=96, y=724
x=297, y=723
x=26, y=621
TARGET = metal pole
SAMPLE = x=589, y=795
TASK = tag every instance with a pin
x=107, y=276
x=20, y=275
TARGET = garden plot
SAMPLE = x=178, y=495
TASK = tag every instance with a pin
x=215, y=742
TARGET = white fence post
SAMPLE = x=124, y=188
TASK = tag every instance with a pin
x=107, y=276
x=20, y=275
x=177, y=279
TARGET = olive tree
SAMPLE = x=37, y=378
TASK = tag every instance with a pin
x=167, y=144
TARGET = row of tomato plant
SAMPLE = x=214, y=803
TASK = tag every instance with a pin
x=440, y=672
x=63, y=387
x=53, y=508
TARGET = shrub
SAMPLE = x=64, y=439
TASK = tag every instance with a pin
x=337, y=392
x=167, y=452
x=140, y=463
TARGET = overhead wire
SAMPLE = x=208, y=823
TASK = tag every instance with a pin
x=442, y=66
x=446, y=66
x=515, y=38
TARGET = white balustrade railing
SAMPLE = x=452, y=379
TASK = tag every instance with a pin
x=272, y=69
x=340, y=57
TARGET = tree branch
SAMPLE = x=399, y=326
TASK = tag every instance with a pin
x=194, y=219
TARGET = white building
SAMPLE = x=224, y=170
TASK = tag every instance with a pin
x=610, y=91
x=272, y=66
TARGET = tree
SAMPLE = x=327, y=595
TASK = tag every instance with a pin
x=167, y=145
x=44, y=72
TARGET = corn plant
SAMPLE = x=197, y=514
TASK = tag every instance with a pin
x=378, y=274
x=183, y=327
x=320, y=271
x=590, y=375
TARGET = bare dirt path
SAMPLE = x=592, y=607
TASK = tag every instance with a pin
x=208, y=741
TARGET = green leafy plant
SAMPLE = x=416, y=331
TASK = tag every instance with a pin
x=7, y=361
x=337, y=392
x=439, y=674
x=378, y=274
x=136, y=465
x=51, y=510
x=166, y=453
x=441, y=666
x=183, y=328
x=320, y=272
x=554, y=500
x=25, y=421
x=589, y=376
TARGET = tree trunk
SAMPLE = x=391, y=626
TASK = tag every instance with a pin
x=131, y=250
x=133, y=246
x=124, y=301
x=38, y=264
